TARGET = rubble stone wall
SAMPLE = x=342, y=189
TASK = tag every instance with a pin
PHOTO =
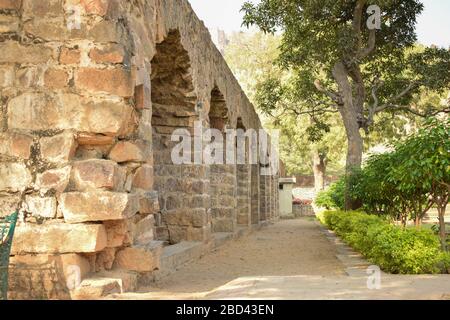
x=90, y=91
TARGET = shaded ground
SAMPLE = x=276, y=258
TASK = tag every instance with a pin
x=292, y=259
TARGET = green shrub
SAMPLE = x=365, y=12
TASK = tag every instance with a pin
x=333, y=197
x=395, y=250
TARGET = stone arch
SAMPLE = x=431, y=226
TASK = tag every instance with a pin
x=182, y=199
x=222, y=176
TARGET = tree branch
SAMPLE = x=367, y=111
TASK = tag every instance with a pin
x=331, y=94
x=363, y=53
x=408, y=89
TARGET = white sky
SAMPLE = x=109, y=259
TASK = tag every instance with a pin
x=433, y=25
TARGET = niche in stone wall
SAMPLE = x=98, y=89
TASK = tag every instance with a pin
x=222, y=188
x=243, y=178
x=181, y=188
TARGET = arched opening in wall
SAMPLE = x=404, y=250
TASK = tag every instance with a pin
x=181, y=187
x=255, y=193
x=264, y=197
x=222, y=188
x=243, y=179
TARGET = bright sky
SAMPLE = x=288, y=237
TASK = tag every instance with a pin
x=433, y=25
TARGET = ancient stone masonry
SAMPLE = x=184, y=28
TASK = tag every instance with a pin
x=90, y=93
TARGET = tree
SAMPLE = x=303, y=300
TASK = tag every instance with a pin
x=304, y=149
x=425, y=168
x=343, y=66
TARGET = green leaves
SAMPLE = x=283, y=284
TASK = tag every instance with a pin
x=395, y=250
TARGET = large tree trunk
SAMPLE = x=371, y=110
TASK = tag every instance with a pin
x=349, y=113
x=319, y=168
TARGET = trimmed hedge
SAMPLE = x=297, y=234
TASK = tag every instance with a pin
x=393, y=249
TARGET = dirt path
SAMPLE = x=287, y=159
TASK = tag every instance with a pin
x=287, y=248
x=292, y=259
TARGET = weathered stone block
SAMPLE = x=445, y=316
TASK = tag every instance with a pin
x=116, y=81
x=96, y=288
x=94, y=139
x=33, y=111
x=43, y=8
x=70, y=56
x=9, y=23
x=97, y=174
x=14, y=52
x=127, y=151
x=140, y=258
x=59, y=148
x=117, y=232
x=15, y=145
x=79, y=207
x=143, y=231
x=14, y=177
x=10, y=4
x=56, y=79
x=59, y=238
x=7, y=75
x=41, y=207
x=9, y=204
x=45, y=276
x=148, y=202
x=97, y=7
x=105, y=259
x=143, y=178
x=109, y=54
x=55, y=179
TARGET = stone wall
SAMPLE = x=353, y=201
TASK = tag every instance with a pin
x=90, y=92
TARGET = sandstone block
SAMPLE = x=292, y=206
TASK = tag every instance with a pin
x=14, y=52
x=144, y=230
x=116, y=81
x=33, y=111
x=97, y=7
x=94, y=139
x=15, y=145
x=59, y=238
x=128, y=280
x=7, y=75
x=105, y=259
x=45, y=276
x=56, y=79
x=148, y=202
x=97, y=174
x=143, y=178
x=109, y=54
x=79, y=207
x=41, y=207
x=117, y=232
x=70, y=56
x=127, y=151
x=95, y=288
x=9, y=23
x=9, y=4
x=140, y=258
x=55, y=179
x=9, y=204
x=59, y=148
x=43, y=8
x=14, y=177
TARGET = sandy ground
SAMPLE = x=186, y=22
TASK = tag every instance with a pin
x=292, y=259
